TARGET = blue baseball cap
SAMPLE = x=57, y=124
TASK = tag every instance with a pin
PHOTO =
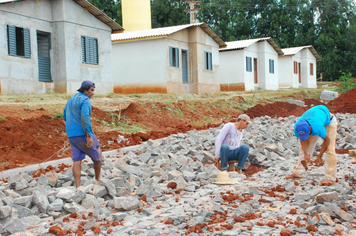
x=302, y=128
x=86, y=83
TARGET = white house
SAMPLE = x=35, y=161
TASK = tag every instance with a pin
x=177, y=59
x=249, y=65
x=297, y=67
x=53, y=45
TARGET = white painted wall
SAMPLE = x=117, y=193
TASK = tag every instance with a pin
x=267, y=80
x=67, y=23
x=146, y=63
x=286, y=70
x=140, y=62
x=308, y=80
x=251, y=51
x=232, y=66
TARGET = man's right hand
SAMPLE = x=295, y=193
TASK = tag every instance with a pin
x=89, y=142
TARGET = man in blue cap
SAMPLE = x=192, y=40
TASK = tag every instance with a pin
x=80, y=135
x=314, y=123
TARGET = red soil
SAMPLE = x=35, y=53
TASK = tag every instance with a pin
x=32, y=136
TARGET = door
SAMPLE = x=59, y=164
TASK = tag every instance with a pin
x=255, y=70
x=185, y=67
x=299, y=73
x=44, y=59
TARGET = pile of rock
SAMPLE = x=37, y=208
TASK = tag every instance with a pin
x=164, y=187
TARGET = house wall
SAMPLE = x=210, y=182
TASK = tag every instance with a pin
x=250, y=51
x=66, y=21
x=285, y=71
x=308, y=80
x=232, y=69
x=147, y=66
x=78, y=22
x=19, y=74
x=140, y=66
x=196, y=41
x=267, y=80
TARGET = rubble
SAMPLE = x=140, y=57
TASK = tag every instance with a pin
x=164, y=187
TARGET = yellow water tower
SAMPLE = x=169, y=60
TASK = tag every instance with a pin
x=136, y=14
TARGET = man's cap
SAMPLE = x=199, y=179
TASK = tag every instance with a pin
x=86, y=83
x=245, y=118
x=302, y=130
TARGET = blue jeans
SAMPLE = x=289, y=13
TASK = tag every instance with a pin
x=240, y=154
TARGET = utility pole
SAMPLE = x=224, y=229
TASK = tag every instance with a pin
x=192, y=10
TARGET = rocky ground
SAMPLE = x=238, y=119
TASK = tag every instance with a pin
x=166, y=187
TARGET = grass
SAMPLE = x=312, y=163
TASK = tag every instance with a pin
x=3, y=118
x=57, y=116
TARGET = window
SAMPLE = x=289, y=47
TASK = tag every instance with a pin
x=311, y=69
x=173, y=57
x=295, y=67
x=249, y=64
x=18, y=41
x=90, y=50
x=208, y=58
x=271, y=66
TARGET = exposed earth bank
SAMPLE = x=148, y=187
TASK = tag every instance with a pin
x=30, y=136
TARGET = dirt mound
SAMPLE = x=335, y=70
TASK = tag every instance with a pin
x=345, y=103
x=30, y=136
x=275, y=110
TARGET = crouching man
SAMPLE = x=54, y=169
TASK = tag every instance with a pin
x=228, y=143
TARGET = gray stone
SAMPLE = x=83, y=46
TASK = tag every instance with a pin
x=126, y=203
x=5, y=211
x=15, y=225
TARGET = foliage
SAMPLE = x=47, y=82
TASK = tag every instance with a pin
x=168, y=13
x=112, y=8
x=328, y=25
x=57, y=116
x=3, y=118
x=347, y=82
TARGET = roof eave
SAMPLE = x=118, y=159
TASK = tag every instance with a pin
x=212, y=34
x=115, y=27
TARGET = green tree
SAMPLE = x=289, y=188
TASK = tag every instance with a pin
x=112, y=8
x=168, y=13
x=331, y=43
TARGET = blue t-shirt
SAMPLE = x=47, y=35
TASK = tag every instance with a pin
x=77, y=115
x=318, y=117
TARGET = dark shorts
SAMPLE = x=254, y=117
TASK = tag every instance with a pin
x=80, y=149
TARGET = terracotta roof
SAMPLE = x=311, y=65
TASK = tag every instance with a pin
x=115, y=27
x=241, y=44
x=295, y=50
x=164, y=32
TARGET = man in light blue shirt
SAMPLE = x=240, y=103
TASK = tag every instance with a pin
x=80, y=135
x=314, y=123
x=228, y=143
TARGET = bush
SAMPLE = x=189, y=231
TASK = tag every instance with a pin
x=347, y=82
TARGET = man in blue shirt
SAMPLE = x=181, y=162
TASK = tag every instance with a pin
x=80, y=135
x=314, y=123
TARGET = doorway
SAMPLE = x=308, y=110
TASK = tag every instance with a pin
x=185, y=78
x=255, y=70
x=44, y=59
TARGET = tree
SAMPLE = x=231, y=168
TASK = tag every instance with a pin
x=112, y=8
x=168, y=13
x=331, y=43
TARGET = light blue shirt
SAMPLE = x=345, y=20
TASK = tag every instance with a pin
x=228, y=135
x=77, y=114
x=318, y=117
